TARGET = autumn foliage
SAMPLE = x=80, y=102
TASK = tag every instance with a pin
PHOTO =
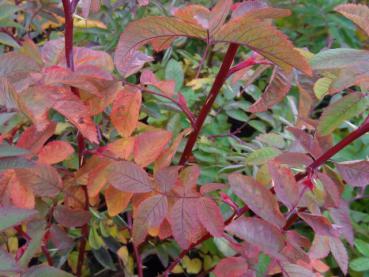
x=87, y=173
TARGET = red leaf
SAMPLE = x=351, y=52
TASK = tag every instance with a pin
x=259, y=233
x=355, y=173
x=128, y=60
x=71, y=218
x=167, y=178
x=43, y=179
x=149, y=145
x=294, y=159
x=126, y=110
x=333, y=195
x=210, y=216
x=320, y=224
x=285, y=185
x=259, y=199
x=128, y=177
x=310, y=144
x=339, y=253
x=320, y=247
x=231, y=267
x=55, y=152
x=34, y=140
x=295, y=270
x=341, y=217
x=186, y=226
x=278, y=88
x=150, y=214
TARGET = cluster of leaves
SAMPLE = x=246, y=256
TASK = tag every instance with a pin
x=110, y=166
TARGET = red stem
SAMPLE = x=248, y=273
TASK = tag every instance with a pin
x=334, y=150
x=69, y=9
x=68, y=35
x=217, y=85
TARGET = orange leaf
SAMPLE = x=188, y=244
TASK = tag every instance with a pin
x=121, y=148
x=165, y=158
x=149, y=145
x=78, y=114
x=126, y=110
x=116, y=200
x=55, y=152
x=20, y=194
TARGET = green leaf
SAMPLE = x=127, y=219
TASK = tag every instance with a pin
x=360, y=264
x=7, y=150
x=11, y=216
x=346, y=67
x=103, y=257
x=362, y=247
x=238, y=114
x=7, y=262
x=94, y=238
x=8, y=40
x=174, y=71
x=344, y=109
x=45, y=271
x=262, y=155
x=14, y=162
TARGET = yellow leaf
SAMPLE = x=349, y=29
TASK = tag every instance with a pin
x=13, y=244
x=263, y=177
x=177, y=269
x=321, y=87
x=199, y=83
x=154, y=232
x=88, y=23
x=192, y=266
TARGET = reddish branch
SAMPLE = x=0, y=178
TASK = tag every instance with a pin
x=69, y=8
x=217, y=85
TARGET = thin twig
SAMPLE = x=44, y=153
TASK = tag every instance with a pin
x=203, y=59
x=185, y=110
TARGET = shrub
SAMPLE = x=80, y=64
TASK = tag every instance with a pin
x=123, y=166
